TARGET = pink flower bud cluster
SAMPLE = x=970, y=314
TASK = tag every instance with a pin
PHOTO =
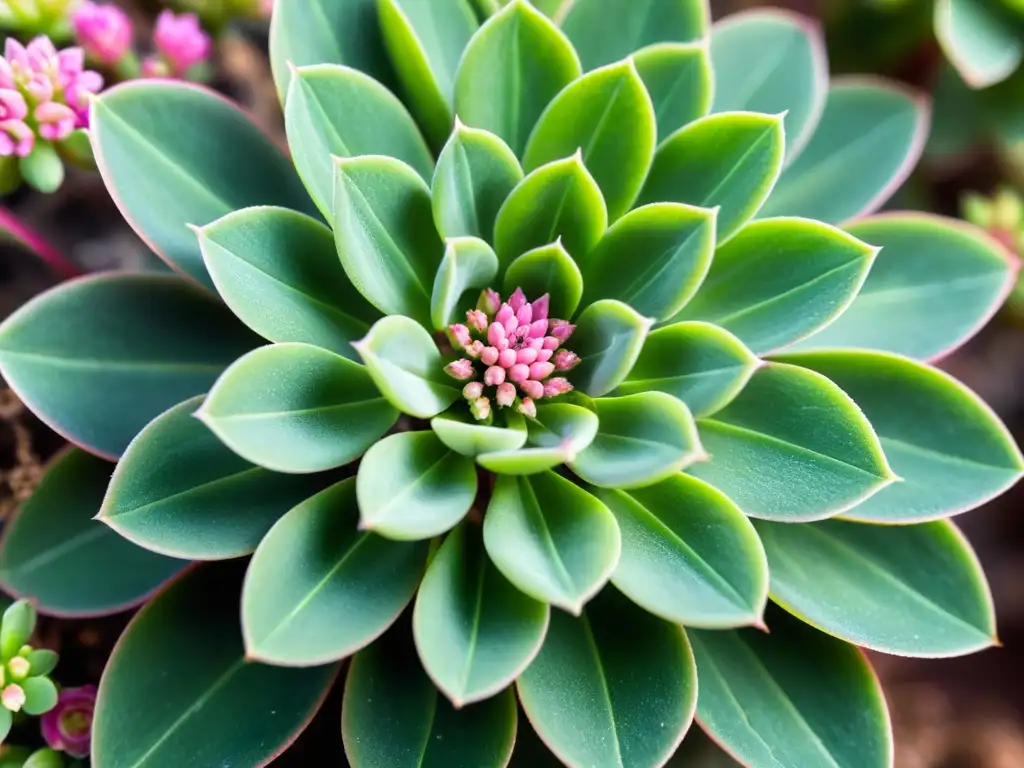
x=44, y=94
x=104, y=31
x=181, y=44
x=516, y=346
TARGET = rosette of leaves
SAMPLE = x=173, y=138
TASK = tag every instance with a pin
x=745, y=407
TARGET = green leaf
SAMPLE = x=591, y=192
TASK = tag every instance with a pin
x=608, y=339
x=465, y=435
x=792, y=697
x=319, y=589
x=404, y=363
x=40, y=696
x=338, y=111
x=394, y=717
x=613, y=687
x=730, y=161
x=604, y=31
x=215, y=705
x=876, y=586
x=771, y=60
x=934, y=284
x=327, y=32
x=551, y=539
x=6, y=720
x=19, y=622
x=384, y=232
x=475, y=173
x=562, y=425
x=41, y=661
x=951, y=451
x=42, y=758
x=297, y=408
x=983, y=45
x=679, y=80
x=558, y=200
x=425, y=42
x=870, y=137
x=42, y=168
x=699, y=363
x=642, y=439
x=792, y=447
x=512, y=68
x=608, y=116
x=524, y=461
x=653, y=258
x=278, y=271
x=412, y=486
x=178, y=490
x=547, y=269
x=99, y=357
x=468, y=264
x=689, y=555
x=164, y=174
x=475, y=632
x=780, y=280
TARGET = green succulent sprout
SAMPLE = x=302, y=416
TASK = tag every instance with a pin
x=575, y=360
x=25, y=685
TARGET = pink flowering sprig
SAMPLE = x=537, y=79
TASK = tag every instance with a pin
x=182, y=47
x=106, y=34
x=68, y=726
x=25, y=685
x=513, y=351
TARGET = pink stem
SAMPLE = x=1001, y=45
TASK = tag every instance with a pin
x=14, y=229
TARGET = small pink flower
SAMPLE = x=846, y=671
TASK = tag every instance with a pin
x=56, y=121
x=566, y=360
x=105, y=31
x=476, y=349
x=476, y=319
x=68, y=726
x=16, y=138
x=528, y=408
x=13, y=697
x=473, y=390
x=557, y=386
x=460, y=333
x=506, y=395
x=12, y=105
x=562, y=330
x=489, y=302
x=181, y=40
x=154, y=66
x=460, y=369
x=494, y=376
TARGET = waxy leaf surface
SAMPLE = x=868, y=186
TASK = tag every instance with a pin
x=608, y=338
x=469, y=264
x=464, y=434
x=679, y=80
x=983, y=44
x=551, y=270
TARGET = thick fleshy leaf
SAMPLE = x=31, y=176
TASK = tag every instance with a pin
x=870, y=137
x=699, y=363
x=394, y=717
x=40, y=696
x=642, y=439
x=56, y=554
x=548, y=269
x=99, y=357
x=780, y=280
x=613, y=688
x=792, y=697
x=604, y=31
x=164, y=174
x=678, y=78
x=463, y=434
x=475, y=173
x=524, y=461
x=934, y=284
x=771, y=60
x=876, y=587
x=558, y=200
x=551, y=539
x=563, y=425
x=951, y=451
x=319, y=589
x=404, y=363
x=983, y=45
x=341, y=112
x=475, y=632
x=512, y=68
x=278, y=271
x=469, y=264
x=412, y=486
x=180, y=491
x=297, y=408
x=689, y=555
x=730, y=161
x=608, y=115
x=215, y=705
x=652, y=259
x=327, y=32
x=792, y=447
x=425, y=42
x=608, y=338
x=385, y=235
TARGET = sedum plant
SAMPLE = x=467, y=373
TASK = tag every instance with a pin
x=564, y=341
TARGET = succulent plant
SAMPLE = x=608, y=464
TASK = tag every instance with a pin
x=574, y=360
x=982, y=38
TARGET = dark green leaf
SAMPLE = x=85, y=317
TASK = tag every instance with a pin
x=679, y=80
x=547, y=269
x=470, y=438
x=613, y=688
x=185, y=650
x=551, y=539
x=165, y=172
x=297, y=408
x=978, y=40
x=56, y=554
x=98, y=358
x=319, y=589
x=469, y=264
x=608, y=338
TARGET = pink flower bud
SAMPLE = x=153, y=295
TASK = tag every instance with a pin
x=537, y=329
x=506, y=394
x=526, y=355
x=473, y=390
x=16, y=138
x=56, y=121
x=541, y=307
x=504, y=314
x=544, y=355
x=12, y=105
x=533, y=389
x=460, y=333
x=556, y=386
x=13, y=697
x=507, y=358
x=480, y=408
x=562, y=329
x=105, y=31
x=550, y=342
x=528, y=408
x=489, y=301
x=524, y=315
x=19, y=667
x=475, y=349
x=460, y=369
x=537, y=344
x=494, y=376
x=517, y=299
x=495, y=334
x=181, y=40
x=490, y=355
x=566, y=360
x=519, y=372
x=68, y=726
x=477, y=319
x=540, y=371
